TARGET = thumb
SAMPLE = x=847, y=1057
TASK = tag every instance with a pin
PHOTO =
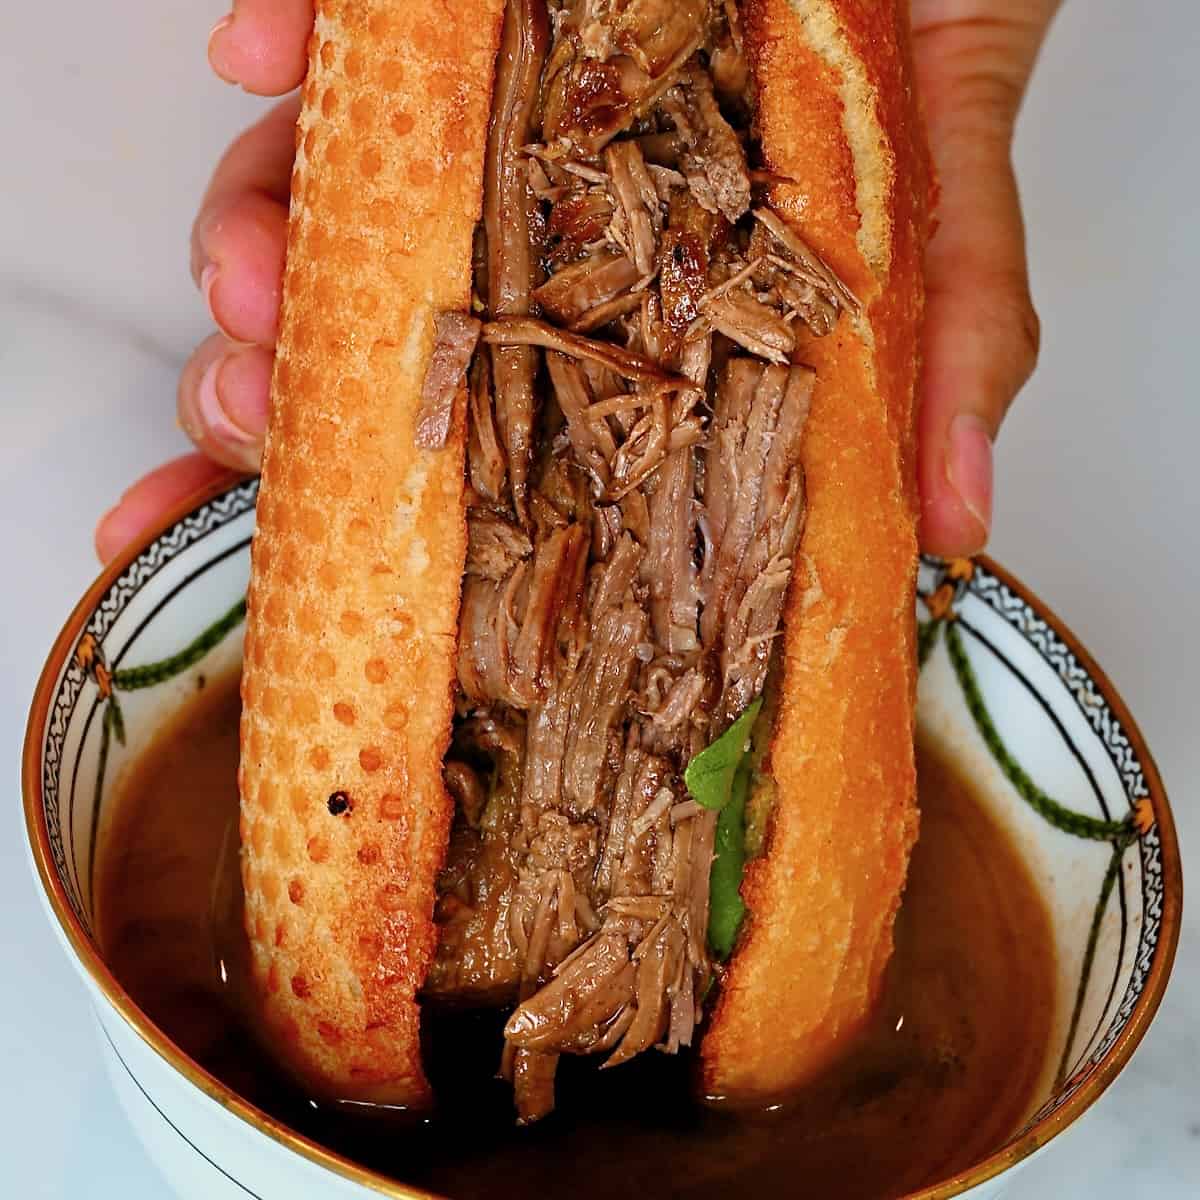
x=981, y=332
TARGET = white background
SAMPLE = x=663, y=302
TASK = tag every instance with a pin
x=111, y=123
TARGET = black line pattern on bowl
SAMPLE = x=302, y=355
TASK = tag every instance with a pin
x=111, y=678
x=1118, y=834
x=194, y=528
x=949, y=584
x=1108, y=728
x=216, y=1166
x=132, y=679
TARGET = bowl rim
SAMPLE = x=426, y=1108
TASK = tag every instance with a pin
x=88, y=956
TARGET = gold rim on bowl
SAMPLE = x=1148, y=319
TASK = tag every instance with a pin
x=88, y=954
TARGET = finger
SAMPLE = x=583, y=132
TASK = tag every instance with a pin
x=145, y=505
x=981, y=332
x=980, y=347
x=242, y=278
x=258, y=164
x=224, y=394
x=262, y=44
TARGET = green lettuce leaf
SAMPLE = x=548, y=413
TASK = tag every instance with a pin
x=718, y=778
x=726, y=909
x=709, y=776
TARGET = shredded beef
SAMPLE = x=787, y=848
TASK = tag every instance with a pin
x=555, y=584
x=598, y=702
x=588, y=992
x=591, y=440
x=512, y=267
x=455, y=335
x=636, y=201
x=495, y=545
x=525, y=332
x=635, y=419
x=753, y=325
x=485, y=457
x=533, y=1084
x=669, y=567
x=578, y=219
x=807, y=262
x=714, y=161
x=611, y=64
x=568, y=296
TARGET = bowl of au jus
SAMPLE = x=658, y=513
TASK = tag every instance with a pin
x=1032, y=948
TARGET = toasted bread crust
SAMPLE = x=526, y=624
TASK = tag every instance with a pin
x=836, y=114
x=358, y=556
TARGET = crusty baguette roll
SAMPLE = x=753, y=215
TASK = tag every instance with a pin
x=358, y=555
x=360, y=549
x=836, y=114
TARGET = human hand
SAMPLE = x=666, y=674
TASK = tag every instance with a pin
x=973, y=62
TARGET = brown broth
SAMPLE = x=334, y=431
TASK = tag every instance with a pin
x=943, y=1074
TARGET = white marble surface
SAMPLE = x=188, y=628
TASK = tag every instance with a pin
x=111, y=124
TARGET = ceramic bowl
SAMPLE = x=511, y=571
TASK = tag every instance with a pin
x=1004, y=684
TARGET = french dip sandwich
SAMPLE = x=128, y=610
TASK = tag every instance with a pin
x=579, y=672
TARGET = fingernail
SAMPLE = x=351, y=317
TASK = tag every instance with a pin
x=222, y=72
x=217, y=422
x=969, y=467
x=207, y=278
